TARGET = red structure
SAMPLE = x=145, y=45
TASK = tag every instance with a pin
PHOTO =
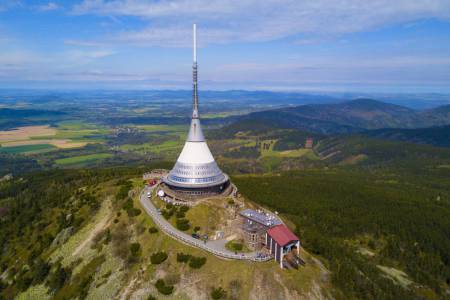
x=309, y=143
x=281, y=242
x=152, y=182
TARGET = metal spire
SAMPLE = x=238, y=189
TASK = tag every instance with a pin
x=194, y=74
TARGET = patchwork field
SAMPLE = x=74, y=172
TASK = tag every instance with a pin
x=29, y=139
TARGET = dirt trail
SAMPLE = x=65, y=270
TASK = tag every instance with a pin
x=101, y=225
x=128, y=289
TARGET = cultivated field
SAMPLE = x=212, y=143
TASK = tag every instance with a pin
x=26, y=133
x=35, y=139
x=82, y=159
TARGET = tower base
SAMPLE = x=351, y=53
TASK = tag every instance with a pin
x=192, y=194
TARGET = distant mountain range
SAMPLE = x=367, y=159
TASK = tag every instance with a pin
x=437, y=136
x=351, y=117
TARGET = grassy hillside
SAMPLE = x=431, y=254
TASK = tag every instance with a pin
x=82, y=234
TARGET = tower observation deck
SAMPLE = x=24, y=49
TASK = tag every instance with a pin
x=196, y=172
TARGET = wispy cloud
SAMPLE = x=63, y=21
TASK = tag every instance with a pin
x=48, y=6
x=9, y=4
x=345, y=69
x=82, y=43
x=255, y=20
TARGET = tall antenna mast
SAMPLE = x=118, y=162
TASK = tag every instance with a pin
x=194, y=74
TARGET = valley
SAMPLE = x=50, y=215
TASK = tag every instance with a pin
x=367, y=194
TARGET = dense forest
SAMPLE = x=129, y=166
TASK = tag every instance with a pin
x=402, y=221
x=40, y=211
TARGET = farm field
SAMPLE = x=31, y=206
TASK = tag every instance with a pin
x=25, y=133
x=58, y=143
x=163, y=128
x=68, y=135
x=82, y=159
x=155, y=148
x=81, y=131
x=28, y=149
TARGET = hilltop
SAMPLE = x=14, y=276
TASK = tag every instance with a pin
x=102, y=244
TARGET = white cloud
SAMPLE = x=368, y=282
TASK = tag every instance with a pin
x=48, y=7
x=254, y=20
x=81, y=56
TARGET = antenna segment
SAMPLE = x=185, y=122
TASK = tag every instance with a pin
x=194, y=74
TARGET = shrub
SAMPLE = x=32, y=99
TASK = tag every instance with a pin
x=133, y=212
x=184, y=209
x=197, y=262
x=371, y=244
x=158, y=258
x=180, y=214
x=184, y=258
x=218, y=293
x=197, y=228
x=183, y=224
x=135, y=249
x=128, y=204
x=163, y=288
x=151, y=297
x=40, y=270
x=169, y=206
x=238, y=246
x=167, y=213
x=59, y=277
x=153, y=230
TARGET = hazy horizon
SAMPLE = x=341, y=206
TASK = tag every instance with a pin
x=342, y=46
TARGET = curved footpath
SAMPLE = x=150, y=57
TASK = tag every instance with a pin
x=215, y=247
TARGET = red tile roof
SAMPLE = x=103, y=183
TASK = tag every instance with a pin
x=282, y=235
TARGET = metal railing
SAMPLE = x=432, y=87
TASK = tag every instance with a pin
x=171, y=231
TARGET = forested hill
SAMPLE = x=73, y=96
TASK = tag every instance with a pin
x=351, y=116
x=437, y=136
x=438, y=116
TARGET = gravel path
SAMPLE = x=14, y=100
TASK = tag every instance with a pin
x=215, y=247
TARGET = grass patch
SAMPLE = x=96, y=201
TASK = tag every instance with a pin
x=204, y=216
x=237, y=246
x=83, y=159
x=398, y=276
x=163, y=128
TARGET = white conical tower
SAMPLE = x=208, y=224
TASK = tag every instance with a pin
x=196, y=170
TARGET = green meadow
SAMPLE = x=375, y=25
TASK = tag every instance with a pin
x=82, y=159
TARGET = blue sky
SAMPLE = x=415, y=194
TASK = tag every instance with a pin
x=340, y=45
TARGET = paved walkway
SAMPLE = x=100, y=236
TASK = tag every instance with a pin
x=215, y=247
